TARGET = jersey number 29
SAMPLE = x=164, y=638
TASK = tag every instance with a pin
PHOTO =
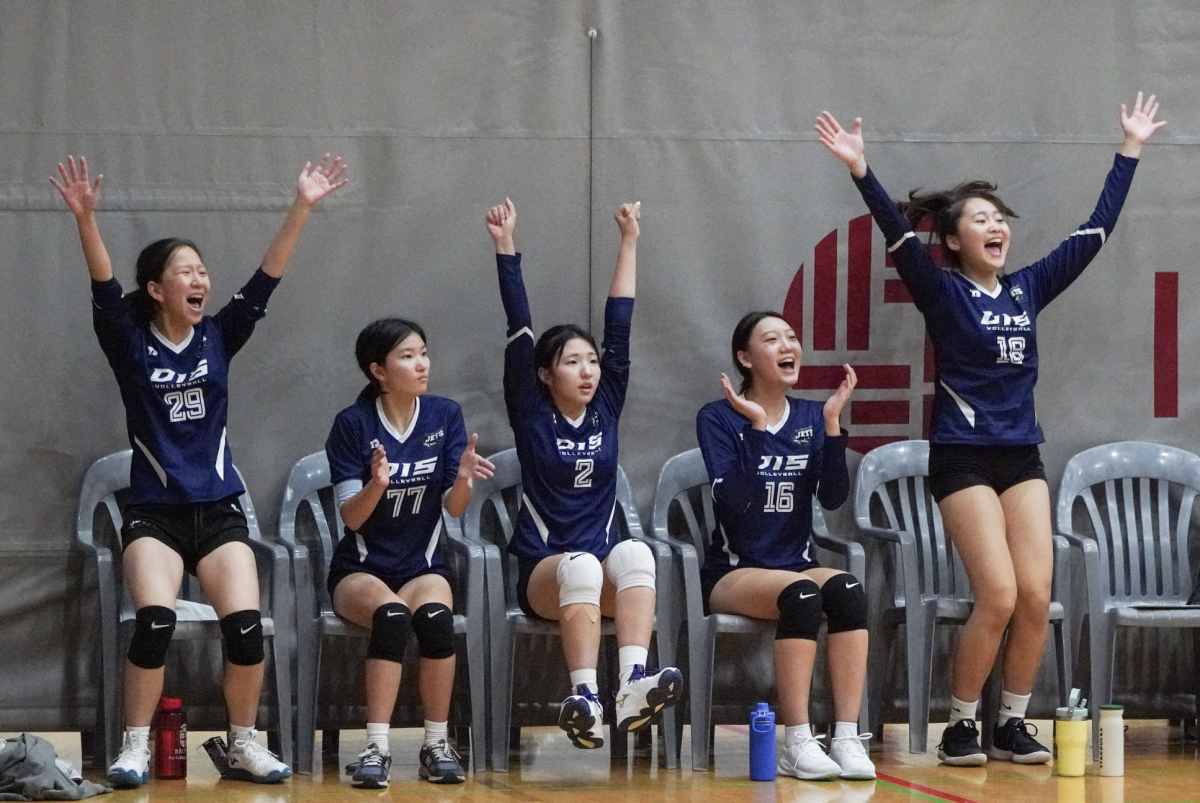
x=187, y=405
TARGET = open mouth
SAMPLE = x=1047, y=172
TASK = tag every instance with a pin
x=787, y=363
x=994, y=248
x=195, y=302
x=586, y=387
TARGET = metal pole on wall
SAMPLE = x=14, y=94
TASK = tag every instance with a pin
x=592, y=33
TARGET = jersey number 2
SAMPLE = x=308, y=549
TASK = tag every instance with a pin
x=583, y=479
x=186, y=405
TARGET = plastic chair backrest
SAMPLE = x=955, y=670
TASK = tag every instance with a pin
x=683, y=482
x=892, y=493
x=1137, y=499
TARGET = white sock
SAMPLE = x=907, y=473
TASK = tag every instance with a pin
x=434, y=731
x=841, y=729
x=1012, y=706
x=794, y=733
x=239, y=734
x=377, y=734
x=628, y=658
x=584, y=677
x=960, y=710
x=142, y=733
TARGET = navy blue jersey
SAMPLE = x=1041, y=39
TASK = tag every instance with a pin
x=985, y=344
x=176, y=396
x=763, y=484
x=568, y=468
x=401, y=537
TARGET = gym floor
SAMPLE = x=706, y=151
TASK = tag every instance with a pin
x=1159, y=768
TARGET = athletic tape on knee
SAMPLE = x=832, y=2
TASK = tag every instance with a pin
x=433, y=624
x=390, y=626
x=799, y=611
x=580, y=579
x=153, y=628
x=630, y=565
x=242, y=632
x=844, y=603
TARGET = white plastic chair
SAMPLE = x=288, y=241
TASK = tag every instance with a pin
x=508, y=621
x=684, y=481
x=1128, y=508
x=316, y=621
x=892, y=503
x=196, y=620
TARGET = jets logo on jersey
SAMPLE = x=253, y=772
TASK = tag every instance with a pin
x=774, y=465
x=435, y=438
x=417, y=469
x=591, y=446
x=803, y=435
x=991, y=319
x=1016, y=293
x=165, y=376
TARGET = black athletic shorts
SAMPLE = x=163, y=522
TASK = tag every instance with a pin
x=524, y=572
x=339, y=571
x=953, y=467
x=711, y=575
x=193, y=531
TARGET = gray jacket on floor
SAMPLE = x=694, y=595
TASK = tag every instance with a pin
x=28, y=772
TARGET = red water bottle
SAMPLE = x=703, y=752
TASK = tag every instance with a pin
x=170, y=741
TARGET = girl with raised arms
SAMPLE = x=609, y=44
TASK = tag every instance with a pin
x=985, y=468
x=397, y=457
x=171, y=363
x=767, y=455
x=564, y=400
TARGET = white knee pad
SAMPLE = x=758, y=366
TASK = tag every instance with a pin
x=630, y=565
x=579, y=579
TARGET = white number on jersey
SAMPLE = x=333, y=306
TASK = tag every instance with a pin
x=186, y=405
x=1012, y=350
x=779, y=497
x=417, y=493
x=584, y=478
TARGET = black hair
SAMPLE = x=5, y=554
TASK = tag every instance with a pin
x=549, y=348
x=376, y=341
x=943, y=210
x=150, y=266
x=741, y=341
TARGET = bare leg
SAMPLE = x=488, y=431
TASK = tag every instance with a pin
x=633, y=610
x=153, y=574
x=229, y=578
x=975, y=522
x=1027, y=514
x=436, y=674
x=355, y=599
x=580, y=623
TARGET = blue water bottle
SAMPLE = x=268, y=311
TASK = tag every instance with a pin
x=762, y=744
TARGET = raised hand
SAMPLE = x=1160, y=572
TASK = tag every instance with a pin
x=501, y=221
x=1140, y=125
x=627, y=219
x=751, y=410
x=317, y=182
x=381, y=472
x=835, y=403
x=845, y=145
x=81, y=195
x=474, y=466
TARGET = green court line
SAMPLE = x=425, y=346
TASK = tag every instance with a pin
x=913, y=792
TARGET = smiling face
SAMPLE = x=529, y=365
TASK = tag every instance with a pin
x=772, y=355
x=573, y=379
x=405, y=371
x=983, y=237
x=182, y=290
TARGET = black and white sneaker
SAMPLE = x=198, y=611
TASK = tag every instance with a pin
x=960, y=745
x=645, y=695
x=1012, y=741
x=440, y=763
x=583, y=719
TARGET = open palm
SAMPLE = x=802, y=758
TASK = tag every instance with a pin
x=80, y=194
x=317, y=182
x=1140, y=125
x=845, y=145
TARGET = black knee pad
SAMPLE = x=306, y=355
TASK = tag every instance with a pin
x=799, y=611
x=243, y=636
x=844, y=603
x=390, y=626
x=433, y=623
x=153, y=628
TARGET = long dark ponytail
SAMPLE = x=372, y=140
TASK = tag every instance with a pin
x=943, y=209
